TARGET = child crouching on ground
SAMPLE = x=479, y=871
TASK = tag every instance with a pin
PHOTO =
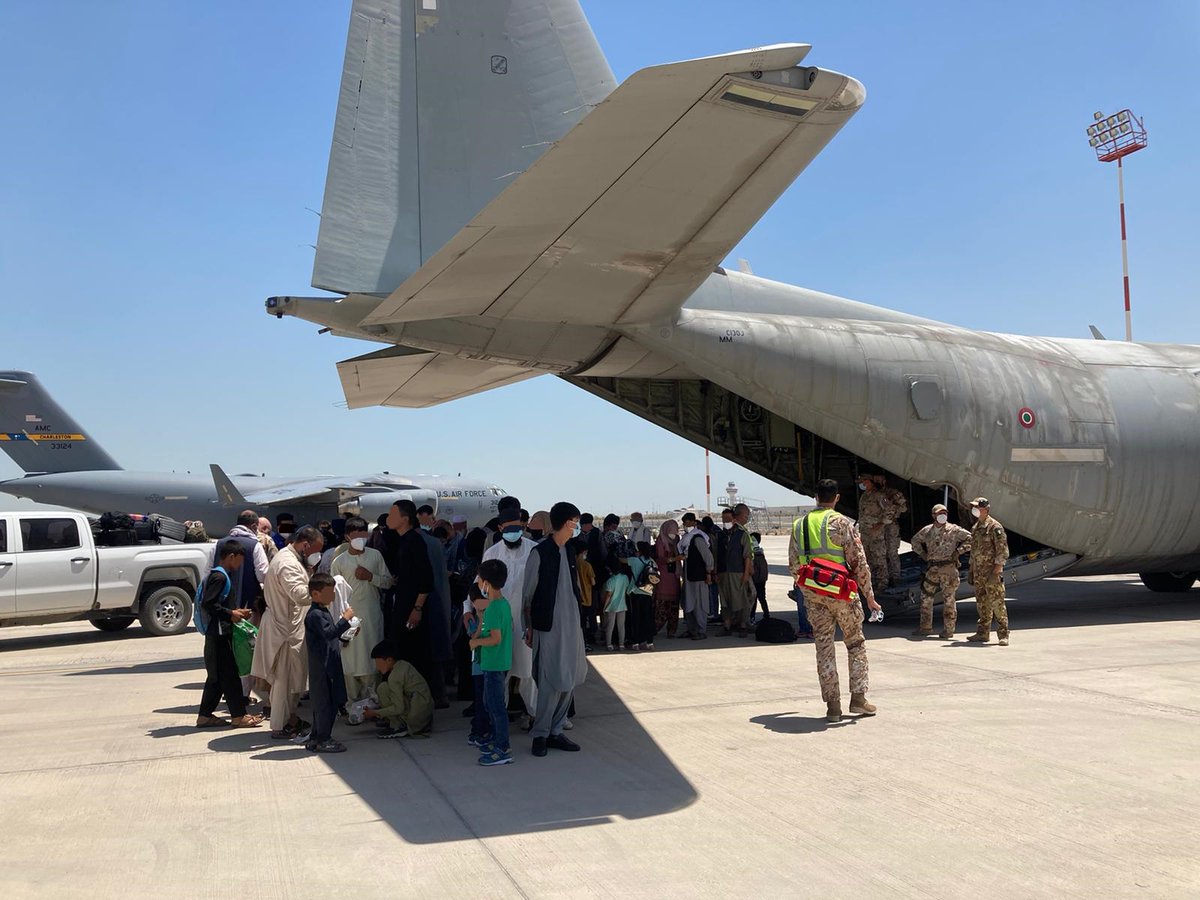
x=405, y=703
x=325, y=679
x=495, y=657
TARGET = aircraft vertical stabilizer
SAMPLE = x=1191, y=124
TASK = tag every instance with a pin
x=443, y=103
x=38, y=434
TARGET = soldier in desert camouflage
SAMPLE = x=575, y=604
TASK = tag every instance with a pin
x=940, y=545
x=874, y=512
x=834, y=537
x=989, y=552
x=895, y=505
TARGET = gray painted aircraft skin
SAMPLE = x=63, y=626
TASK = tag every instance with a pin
x=66, y=467
x=576, y=228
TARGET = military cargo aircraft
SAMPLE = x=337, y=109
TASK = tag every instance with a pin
x=64, y=466
x=543, y=219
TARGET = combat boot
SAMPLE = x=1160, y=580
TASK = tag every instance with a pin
x=859, y=704
x=923, y=631
x=979, y=638
x=833, y=711
x=1003, y=640
x=947, y=635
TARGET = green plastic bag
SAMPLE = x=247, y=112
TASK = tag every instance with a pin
x=245, y=636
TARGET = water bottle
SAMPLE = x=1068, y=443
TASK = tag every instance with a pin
x=876, y=615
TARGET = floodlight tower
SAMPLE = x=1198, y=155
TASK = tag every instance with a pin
x=1115, y=137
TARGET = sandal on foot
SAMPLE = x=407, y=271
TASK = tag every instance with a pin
x=246, y=722
x=210, y=722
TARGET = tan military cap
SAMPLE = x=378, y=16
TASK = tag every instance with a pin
x=981, y=501
x=939, y=508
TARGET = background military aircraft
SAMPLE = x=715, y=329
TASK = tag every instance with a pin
x=66, y=467
x=543, y=220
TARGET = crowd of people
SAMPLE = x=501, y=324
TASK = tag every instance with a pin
x=388, y=619
x=396, y=611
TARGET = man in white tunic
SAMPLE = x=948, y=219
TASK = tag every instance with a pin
x=367, y=574
x=279, y=656
x=513, y=550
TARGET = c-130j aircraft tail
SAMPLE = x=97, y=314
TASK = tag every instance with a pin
x=512, y=217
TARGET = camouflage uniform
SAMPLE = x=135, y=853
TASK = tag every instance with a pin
x=827, y=614
x=989, y=546
x=891, y=531
x=268, y=545
x=874, y=511
x=940, y=546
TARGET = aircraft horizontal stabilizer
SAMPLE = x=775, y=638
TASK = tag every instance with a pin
x=623, y=218
x=314, y=491
x=401, y=376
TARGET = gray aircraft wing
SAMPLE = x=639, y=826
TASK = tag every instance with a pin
x=623, y=218
x=315, y=491
x=401, y=376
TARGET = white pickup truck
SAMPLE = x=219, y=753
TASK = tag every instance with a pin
x=52, y=571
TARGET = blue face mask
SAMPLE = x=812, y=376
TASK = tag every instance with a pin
x=512, y=535
x=577, y=530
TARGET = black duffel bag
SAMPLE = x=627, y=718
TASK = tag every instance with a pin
x=775, y=631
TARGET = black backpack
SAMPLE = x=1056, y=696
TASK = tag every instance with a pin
x=650, y=576
x=774, y=631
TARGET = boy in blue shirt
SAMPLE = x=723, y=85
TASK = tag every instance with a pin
x=495, y=657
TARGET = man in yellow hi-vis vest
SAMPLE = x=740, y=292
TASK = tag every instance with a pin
x=834, y=537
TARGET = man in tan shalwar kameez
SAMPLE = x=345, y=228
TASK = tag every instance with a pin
x=279, y=655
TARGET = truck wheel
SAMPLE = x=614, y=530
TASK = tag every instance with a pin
x=114, y=623
x=1168, y=582
x=165, y=611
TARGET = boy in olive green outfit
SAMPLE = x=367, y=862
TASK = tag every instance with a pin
x=405, y=703
x=495, y=657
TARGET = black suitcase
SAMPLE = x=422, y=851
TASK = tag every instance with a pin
x=117, y=537
x=144, y=528
x=166, y=528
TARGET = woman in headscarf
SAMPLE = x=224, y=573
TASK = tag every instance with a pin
x=666, y=592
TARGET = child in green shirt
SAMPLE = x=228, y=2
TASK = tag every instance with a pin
x=495, y=657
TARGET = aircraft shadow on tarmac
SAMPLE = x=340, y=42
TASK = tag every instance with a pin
x=432, y=791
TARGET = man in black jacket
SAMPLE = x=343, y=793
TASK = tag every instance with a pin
x=217, y=607
x=550, y=622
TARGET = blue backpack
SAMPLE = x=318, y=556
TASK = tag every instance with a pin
x=200, y=618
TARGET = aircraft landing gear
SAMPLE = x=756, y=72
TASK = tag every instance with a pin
x=1168, y=582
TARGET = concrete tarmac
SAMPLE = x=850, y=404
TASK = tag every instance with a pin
x=1066, y=764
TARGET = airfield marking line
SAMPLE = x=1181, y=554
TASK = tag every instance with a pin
x=104, y=764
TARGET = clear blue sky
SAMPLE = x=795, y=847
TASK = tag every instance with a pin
x=158, y=158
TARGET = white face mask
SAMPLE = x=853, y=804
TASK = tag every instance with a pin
x=359, y=544
x=727, y=525
x=942, y=518
x=314, y=559
x=975, y=512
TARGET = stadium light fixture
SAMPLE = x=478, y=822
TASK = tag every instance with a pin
x=1113, y=138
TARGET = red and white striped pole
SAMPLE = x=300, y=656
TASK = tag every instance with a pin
x=1124, y=249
